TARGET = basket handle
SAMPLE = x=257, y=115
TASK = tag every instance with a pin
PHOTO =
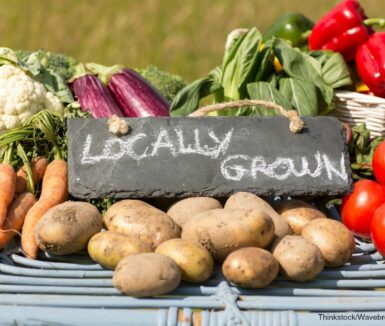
x=295, y=126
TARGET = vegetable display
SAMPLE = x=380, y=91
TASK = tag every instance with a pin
x=154, y=245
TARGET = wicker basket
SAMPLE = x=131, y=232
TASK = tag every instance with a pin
x=356, y=108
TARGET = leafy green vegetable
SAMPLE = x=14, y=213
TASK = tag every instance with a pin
x=51, y=80
x=306, y=83
x=302, y=66
x=334, y=69
x=239, y=64
x=264, y=91
x=361, y=149
x=301, y=94
x=59, y=63
x=167, y=84
x=187, y=100
x=33, y=65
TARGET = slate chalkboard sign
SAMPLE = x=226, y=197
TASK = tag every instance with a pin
x=210, y=156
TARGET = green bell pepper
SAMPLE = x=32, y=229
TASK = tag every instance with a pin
x=294, y=27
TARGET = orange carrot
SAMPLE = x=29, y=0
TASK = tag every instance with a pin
x=38, y=166
x=15, y=217
x=54, y=191
x=7, y=189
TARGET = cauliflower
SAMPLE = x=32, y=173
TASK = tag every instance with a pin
x=21, y=97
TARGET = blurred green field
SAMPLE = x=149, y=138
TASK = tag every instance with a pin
x=185, y=37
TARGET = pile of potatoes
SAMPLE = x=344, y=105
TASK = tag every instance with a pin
x=152, y=250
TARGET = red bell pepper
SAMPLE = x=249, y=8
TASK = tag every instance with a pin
x=370, y=61
x=341, y=30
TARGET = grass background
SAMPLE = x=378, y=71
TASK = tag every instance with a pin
x=182, y=36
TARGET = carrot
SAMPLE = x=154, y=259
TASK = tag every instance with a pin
x=38, y=166
x=7, y=189
x=15, y=217
x=54, y=191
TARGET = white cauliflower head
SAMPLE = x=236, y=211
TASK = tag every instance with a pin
x=21, y=97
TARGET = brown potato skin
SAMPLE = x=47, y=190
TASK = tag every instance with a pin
x=299, y=259
x=222, y=231
x=184, y=209
x=333, y=238
x=109, y=248
x=247, y=200
x=141, y=220
x=66, y=228
x=298, y=213
x=192, y=258
x=250, y=267
x=146, y=274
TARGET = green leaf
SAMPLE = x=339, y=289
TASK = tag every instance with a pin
x=188, y=98
x=239, y=64
x=264, y=91
x=7, y=56
x=302, y=66
x=302, y=95
x=51, y=80
x=334, y=68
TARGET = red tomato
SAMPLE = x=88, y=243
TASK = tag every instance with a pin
x=378, y=229
x=358, y=207
x=378, y=163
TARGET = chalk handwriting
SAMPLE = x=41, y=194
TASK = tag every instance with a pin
x=237, y=167
x=233, y=167
x=117, y=148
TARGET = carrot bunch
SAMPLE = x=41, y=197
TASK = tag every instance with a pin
x=15, y=202
x=19, y=209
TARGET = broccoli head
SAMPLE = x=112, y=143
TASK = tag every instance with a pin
x=167, y=84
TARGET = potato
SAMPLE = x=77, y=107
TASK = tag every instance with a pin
x=182, y=210
x=250, y=267
x=66, y=228
x=146, y=274
x=298, y=213
x=333, y=238
x=222, y=231
x=109, y=248
x=141, y=220
x=193, y=259
x=247, y=200
x=299, y=259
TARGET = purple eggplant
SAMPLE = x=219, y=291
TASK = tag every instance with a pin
x=93, y=96
x=135, y=96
